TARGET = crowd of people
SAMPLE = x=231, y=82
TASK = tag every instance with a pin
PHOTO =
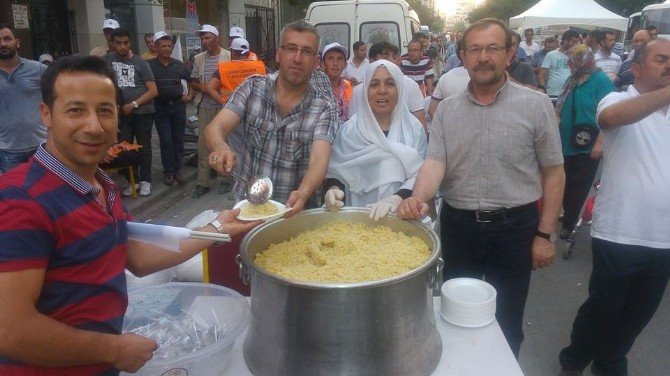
x=501, y=126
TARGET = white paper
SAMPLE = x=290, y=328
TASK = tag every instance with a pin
x=163, y=236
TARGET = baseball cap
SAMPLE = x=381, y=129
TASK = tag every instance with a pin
x=161, y=34
x=334, y=46
x=240, y=44
x=206, y=28
x=236, y=32
x=45, y=57
x=110, y=24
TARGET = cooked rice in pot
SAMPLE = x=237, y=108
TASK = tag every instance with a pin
x=262, y=210
x=344, y=252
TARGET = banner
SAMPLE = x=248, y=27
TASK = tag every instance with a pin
x=192, y=17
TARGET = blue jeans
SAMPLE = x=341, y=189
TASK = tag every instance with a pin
x=627, y=285
x=11, y=159
x=498, y=252
x=170, y=119
x=137, y=127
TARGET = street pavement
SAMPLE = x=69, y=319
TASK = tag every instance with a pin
x=555, y=295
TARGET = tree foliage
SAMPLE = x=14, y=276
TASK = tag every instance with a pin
x=427, y=16
x=504, y=9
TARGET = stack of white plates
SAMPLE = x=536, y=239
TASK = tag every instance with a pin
x=468, y=302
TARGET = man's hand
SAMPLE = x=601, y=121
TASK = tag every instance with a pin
x=297, y=201
x=127, y=108
x=597, y=151
x=223, y=160
x=544, y=252
x=187, y=97
x=412, y=208
x=233, y=226
x=133, y=352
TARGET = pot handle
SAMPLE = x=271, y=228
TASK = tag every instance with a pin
x=244, y=271
x=434, y=276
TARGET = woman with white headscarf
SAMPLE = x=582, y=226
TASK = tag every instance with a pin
x=378, y=152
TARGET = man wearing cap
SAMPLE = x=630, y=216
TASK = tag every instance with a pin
x=21, y=130
x=170, y=115
x=333, y=62
x=138, y=89
x=204, y=66
x=230, y=74
x=237, y=32
x=107, y=27
x=354, y=72
x=46, y=59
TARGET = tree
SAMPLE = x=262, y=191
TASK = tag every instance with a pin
x=427, y=16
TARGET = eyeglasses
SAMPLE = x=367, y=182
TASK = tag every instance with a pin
x=293, y=49
x=490, y=50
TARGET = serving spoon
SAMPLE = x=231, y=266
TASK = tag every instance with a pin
x=259, y=189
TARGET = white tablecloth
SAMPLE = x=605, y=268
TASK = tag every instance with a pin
x=465, y=351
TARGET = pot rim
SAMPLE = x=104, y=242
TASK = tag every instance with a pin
x=251, y=265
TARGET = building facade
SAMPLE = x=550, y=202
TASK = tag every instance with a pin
x=66, y=27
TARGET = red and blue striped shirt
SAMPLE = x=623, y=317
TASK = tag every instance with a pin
x=50, y=219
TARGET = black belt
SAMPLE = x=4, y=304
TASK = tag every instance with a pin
x=486, y=216
x=167, y=102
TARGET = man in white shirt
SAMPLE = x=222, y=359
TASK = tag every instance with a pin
x=528, y=45
x=411, y=93
x=555, y=71
x=355, y=70
x=452, y=82
x=607, y=60
x=631, y=241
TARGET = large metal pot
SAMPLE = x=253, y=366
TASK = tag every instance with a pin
x=384, y=327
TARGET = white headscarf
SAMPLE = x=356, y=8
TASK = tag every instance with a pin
x=371, y=165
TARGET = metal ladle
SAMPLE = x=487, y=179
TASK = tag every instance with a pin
x=259, y=189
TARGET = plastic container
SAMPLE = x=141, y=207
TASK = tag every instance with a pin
x=218, y=316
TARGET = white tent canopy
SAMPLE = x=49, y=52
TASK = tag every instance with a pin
x=583, y=13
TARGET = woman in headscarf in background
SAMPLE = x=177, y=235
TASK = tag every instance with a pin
x=378, y=152
x=582, y=145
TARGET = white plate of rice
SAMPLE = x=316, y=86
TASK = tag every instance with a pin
x=269, y=211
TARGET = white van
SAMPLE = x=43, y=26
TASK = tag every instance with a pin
x=658, y=15
x=371, y=21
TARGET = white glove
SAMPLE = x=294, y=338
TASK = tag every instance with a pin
x=382, y=207
x=334, y=198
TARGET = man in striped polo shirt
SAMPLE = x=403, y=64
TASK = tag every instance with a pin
x=63, y=236
x=418, y=66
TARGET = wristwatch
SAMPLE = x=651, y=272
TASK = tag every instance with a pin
x=135, y=104
x=217, y=225
x=551, y=237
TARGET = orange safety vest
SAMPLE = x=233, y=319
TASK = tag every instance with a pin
x=348, y=91
x=233, y=73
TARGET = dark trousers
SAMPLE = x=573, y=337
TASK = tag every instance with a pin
x=170, y=119
x=580, y=170
x=627, y=285
x=137, y=128
x=498, y=252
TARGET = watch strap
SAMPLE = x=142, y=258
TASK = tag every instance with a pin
x=217, y=225
x=135, y=104
x=550, y=237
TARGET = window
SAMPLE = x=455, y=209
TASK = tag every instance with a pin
x=375, y=32
x=334, y=32
x=659, y=18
